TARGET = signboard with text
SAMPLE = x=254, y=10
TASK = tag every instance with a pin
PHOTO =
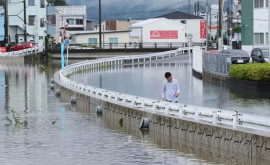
x=203, y=30
x=164, y=34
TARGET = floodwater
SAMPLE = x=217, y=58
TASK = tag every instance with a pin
x=146, y=80
x=57, y=133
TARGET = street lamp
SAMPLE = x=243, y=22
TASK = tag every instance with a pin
x=237, y=15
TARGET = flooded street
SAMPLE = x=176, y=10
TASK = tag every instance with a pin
x=57, y=133
x=146, y=80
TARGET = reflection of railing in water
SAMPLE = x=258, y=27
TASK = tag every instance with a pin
x=209, y=115
x=23, y=52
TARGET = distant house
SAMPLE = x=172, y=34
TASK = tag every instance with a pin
x=192, y=23
x=74, y=18
x=35, y=21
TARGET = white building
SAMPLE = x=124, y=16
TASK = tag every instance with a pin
x=75, y=17
x=255, y=24
x=158, y=30
x=35, y=21
x=92, y=37
x=191, y=22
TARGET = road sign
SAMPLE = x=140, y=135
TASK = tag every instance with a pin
x=67, y=41
x=68, y=35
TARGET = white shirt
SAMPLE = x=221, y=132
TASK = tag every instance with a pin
x=170, y=89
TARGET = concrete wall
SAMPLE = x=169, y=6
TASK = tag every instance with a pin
x=235, y=141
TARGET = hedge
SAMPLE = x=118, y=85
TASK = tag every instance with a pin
x=251, y=71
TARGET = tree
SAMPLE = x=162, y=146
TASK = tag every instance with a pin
x=57, y=2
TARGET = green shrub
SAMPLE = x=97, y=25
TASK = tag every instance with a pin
x=251, y=71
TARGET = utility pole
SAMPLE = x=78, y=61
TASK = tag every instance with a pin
x=210, y=24
x=195, y=6
x=6, y=40
x=220, y=41
x=24, y=20
x=269, y=25
x=100, y=42
x=207, y=12
x=188, y=6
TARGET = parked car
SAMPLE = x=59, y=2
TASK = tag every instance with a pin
x=237, y=56
x=21, y=46
x=260, y=55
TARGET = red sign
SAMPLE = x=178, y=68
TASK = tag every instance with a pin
x=3, y=49
x=164, y=34
x=203, y=29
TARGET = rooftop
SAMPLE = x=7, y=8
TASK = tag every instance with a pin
x=71, y=10
x=179, y=15
x=96, y=32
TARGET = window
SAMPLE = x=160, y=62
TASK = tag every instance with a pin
x=42, y=3
x=92, y=41
x=51, y=20
x=266, y=3
x=31, y=19
x=258, y=38
x=79, y=21
x=258, y=3
x=267, y=38
x=31, y=2
x=40, y=37
x=113, y=41
x=42, y=22
x=71, y=21
x=184, y=22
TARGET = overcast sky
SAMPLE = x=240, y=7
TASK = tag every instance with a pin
x=134, y=9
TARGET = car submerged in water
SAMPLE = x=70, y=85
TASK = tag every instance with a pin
x=260, y=55
x=237, y=56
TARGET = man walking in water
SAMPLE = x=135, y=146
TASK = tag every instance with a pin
x=170, y=89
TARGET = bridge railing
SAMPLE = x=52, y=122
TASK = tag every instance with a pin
x=23, y=52
x=130, y=45
x=212, y=116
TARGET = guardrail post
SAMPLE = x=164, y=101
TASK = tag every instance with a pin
x=235, y=120
x=214, y=119
x=166, y=109
x=196, y=115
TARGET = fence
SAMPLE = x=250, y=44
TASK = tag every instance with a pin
x=217, y=63
x=24, y=52
x=203, y=114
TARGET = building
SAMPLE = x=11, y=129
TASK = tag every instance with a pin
x=2, y=29
x=35, y=21
x=254, y=24
x=192, y=23
x=158, y=30
x=73, y=18
x=114, y=25
x=92, y=37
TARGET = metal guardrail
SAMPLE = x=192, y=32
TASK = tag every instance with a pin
x=130, y=45
x=23, y=52
x=200, y=114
